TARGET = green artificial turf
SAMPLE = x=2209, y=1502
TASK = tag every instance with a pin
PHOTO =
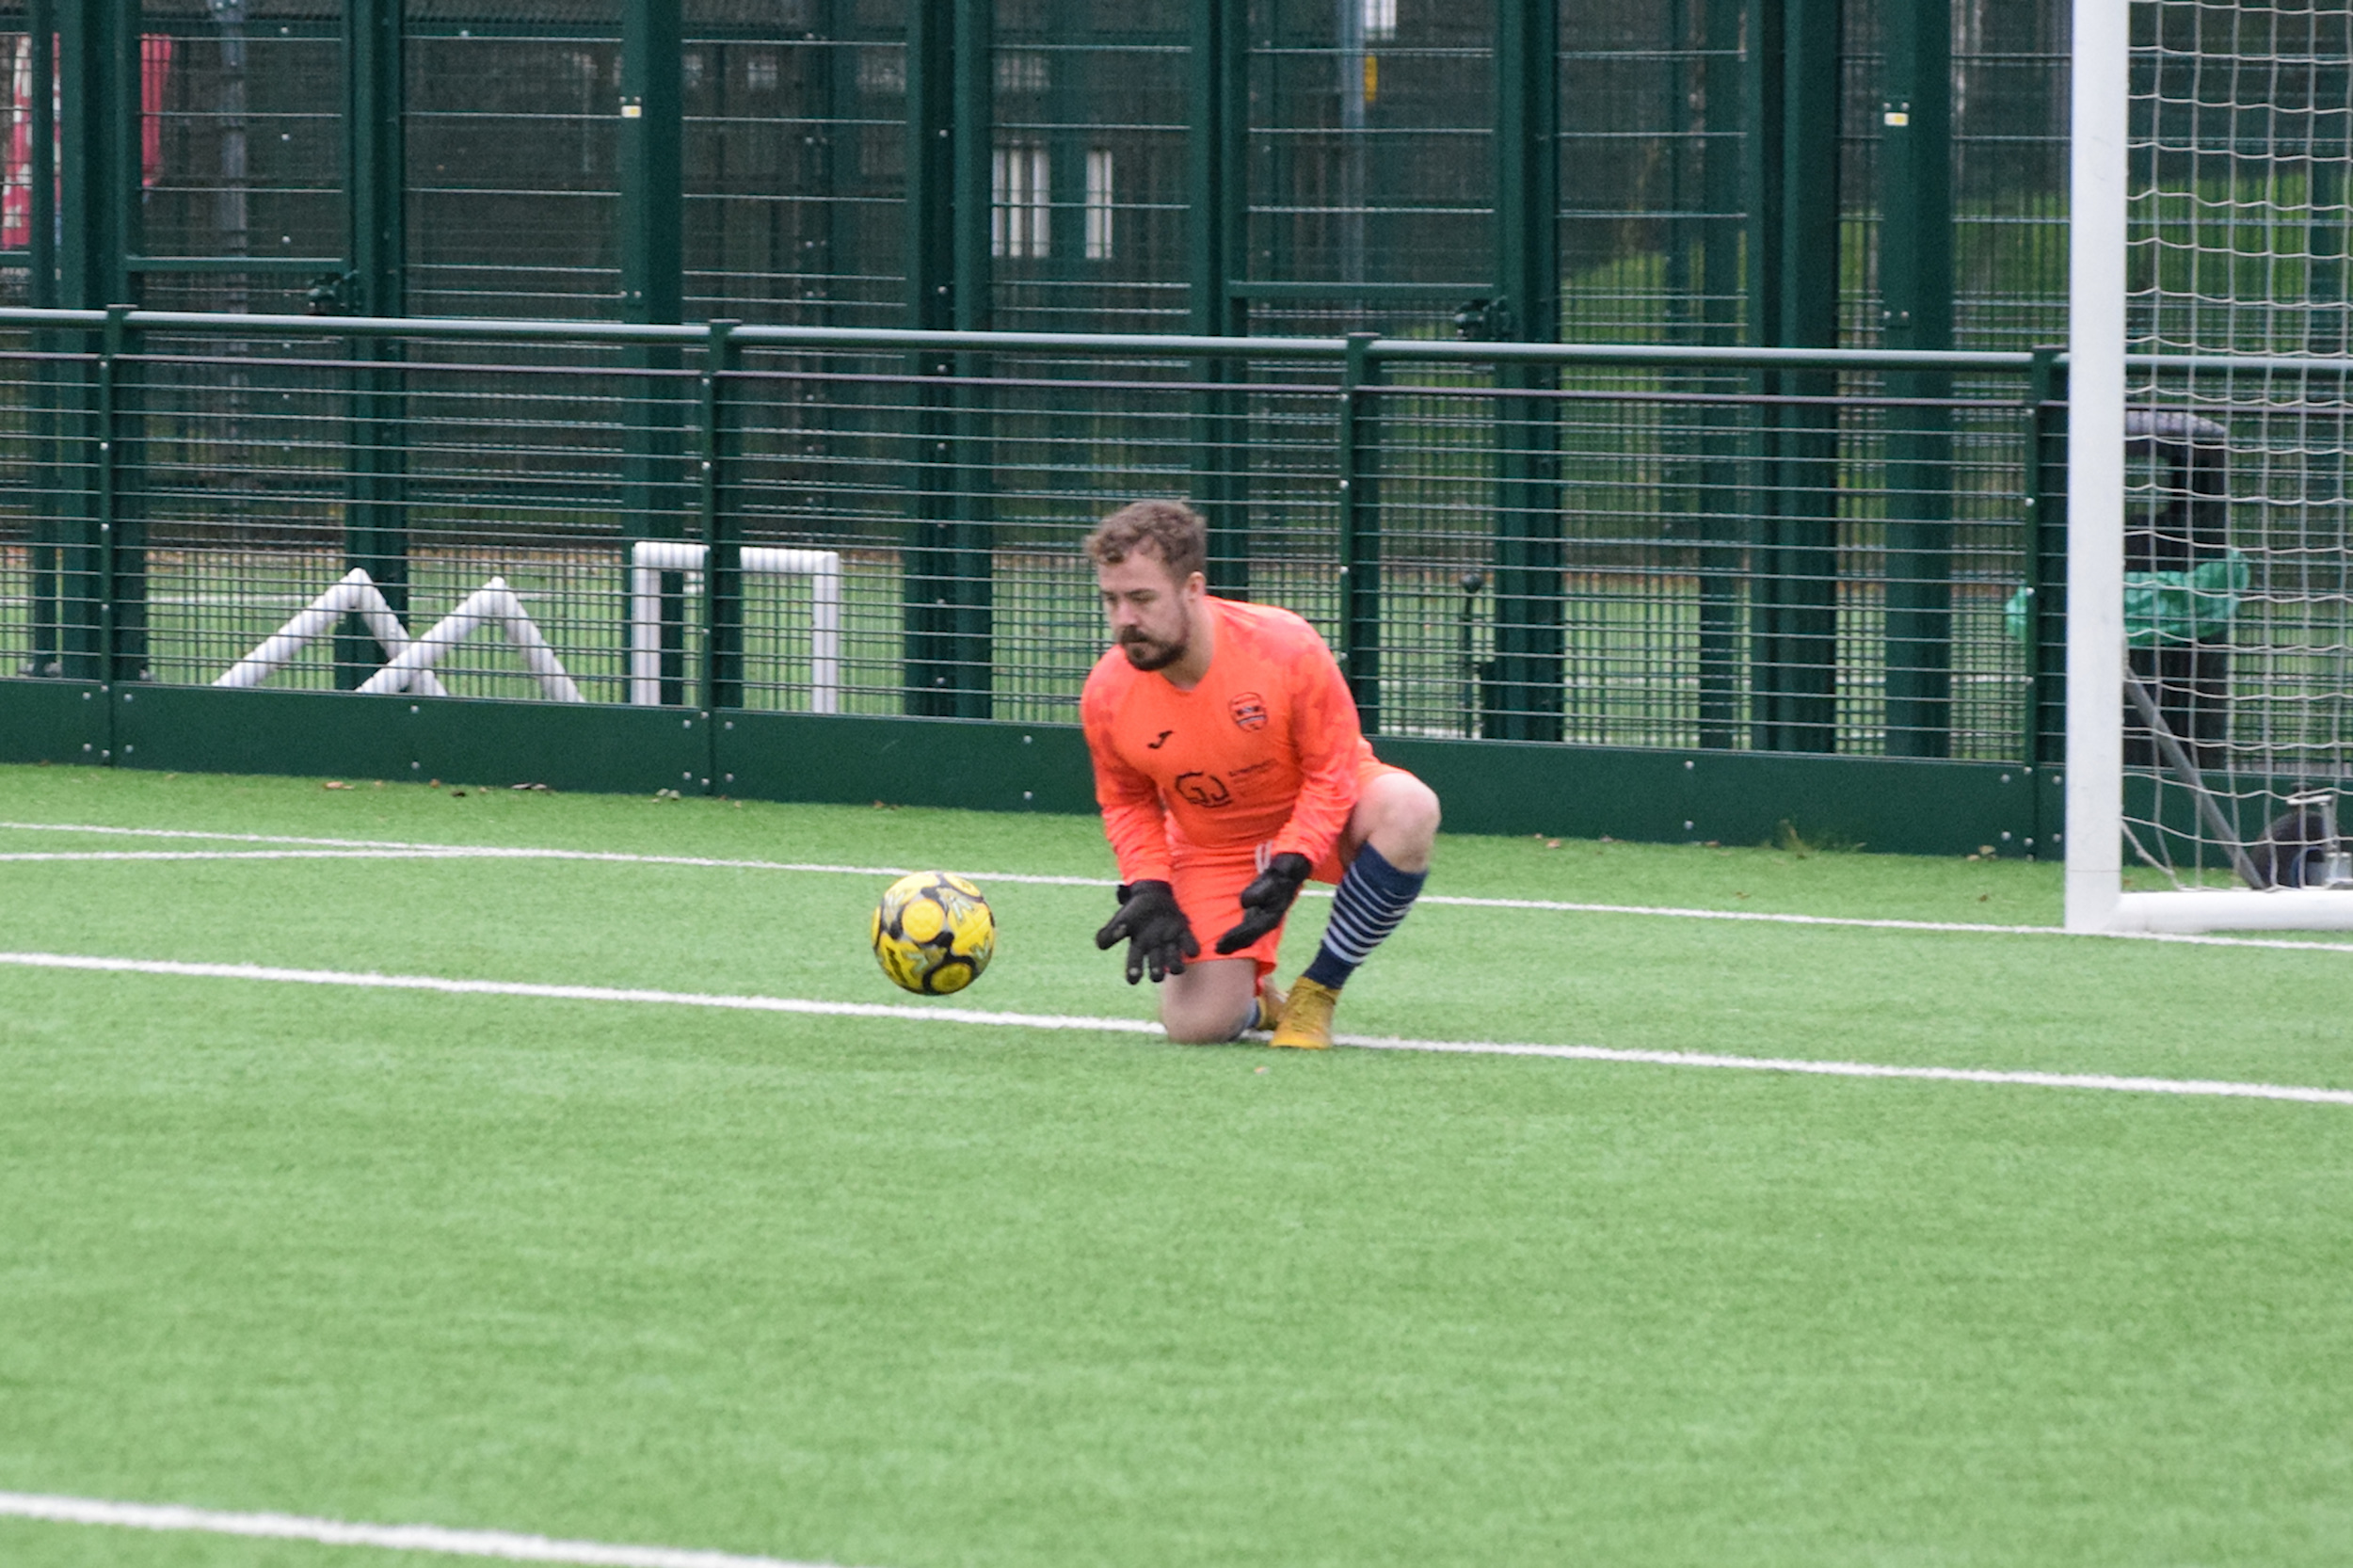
x=904, y=1293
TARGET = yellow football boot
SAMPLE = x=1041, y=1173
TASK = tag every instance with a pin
x=1307, y=1023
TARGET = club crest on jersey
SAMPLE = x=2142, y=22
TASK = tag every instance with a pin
x=1249, y=710
x=1203, y=789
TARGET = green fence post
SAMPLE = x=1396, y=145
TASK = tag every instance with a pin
x=1794, y=621
x=723, y=563
x=1218, y=185
x=1720, y=430
x=47, y=386
x=654, y=289
x=375, y=523
x=1360, y=528
x=2044, y=741
x=115, y=582
x=1916, y=297
x=931, y=307
x=98, y=42
x=946, y=573
x=971, y=541
x=2044, y=577
x=1524, y=702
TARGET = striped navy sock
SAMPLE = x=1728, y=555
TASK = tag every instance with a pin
x=1373, y=897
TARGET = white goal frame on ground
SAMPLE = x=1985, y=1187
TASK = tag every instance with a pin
x=408, y=662
x=2098, y=236
x=649, y=558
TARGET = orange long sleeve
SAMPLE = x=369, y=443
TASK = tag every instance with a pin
x=1263, y=752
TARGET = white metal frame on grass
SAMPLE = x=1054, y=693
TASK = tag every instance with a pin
x=356, y=594
x=649, y=558
x=409, y=661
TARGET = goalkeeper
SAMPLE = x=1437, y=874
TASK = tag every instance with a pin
x=1230, y=768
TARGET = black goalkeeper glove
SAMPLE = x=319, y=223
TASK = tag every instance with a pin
x=1158, y=937
x=1265, y=900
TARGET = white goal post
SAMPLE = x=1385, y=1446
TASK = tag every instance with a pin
x=2210, y=494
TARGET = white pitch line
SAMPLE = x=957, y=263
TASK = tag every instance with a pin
x=102, y=854
x=401, y=849
x=572, y=993
x=406, y=849
x=2198, y=1088
x=501, y=1545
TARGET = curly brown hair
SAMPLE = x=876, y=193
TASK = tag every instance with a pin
x=1168, y=529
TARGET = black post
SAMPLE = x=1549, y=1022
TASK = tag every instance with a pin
x=1793, y=643
x=1217, y=179
x=946, y=585
x=1360, y=528
x=1917, y=292
x=1720, y=518
x=652, y=178
x=100, y=556
x=375, y=521
x=1525, y=700
x=48, y=385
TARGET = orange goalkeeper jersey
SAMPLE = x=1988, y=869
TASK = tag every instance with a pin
x=1265, y=750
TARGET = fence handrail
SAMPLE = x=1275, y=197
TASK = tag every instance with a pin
x=1106, y=345
x=1159, y=345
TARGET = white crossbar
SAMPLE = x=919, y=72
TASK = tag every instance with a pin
x=649, y=558
x=492, y=604
x=355, y=594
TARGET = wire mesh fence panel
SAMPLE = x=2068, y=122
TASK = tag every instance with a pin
x=301, y=515
x=241, y=153
x=1370, y=156
x=1436, y=473
x=795, y=158
x=1290, y=534
x=1651, y=208
x=512, y=119
x=60, y=594
x=23, y=552
x=1654, y=557
x=2009, y=174
x=1087, y=161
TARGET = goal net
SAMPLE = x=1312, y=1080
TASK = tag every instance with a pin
x=2210, y=691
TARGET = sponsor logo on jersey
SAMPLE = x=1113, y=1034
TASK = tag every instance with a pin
x=1249, y=710
x=1203, y=789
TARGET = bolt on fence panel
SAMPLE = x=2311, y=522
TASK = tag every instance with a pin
x=512, y=117
x=796, y=161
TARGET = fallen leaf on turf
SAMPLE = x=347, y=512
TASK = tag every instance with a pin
x=337, y=784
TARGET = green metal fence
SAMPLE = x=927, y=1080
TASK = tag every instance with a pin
x=1769, y=172
x=182, y=485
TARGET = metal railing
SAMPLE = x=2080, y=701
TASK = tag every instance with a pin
x=1625, y=545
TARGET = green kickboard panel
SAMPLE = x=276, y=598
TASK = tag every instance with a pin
x=1888, y=804
x=52, y=721
x=984, y=765
x=564, y=745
